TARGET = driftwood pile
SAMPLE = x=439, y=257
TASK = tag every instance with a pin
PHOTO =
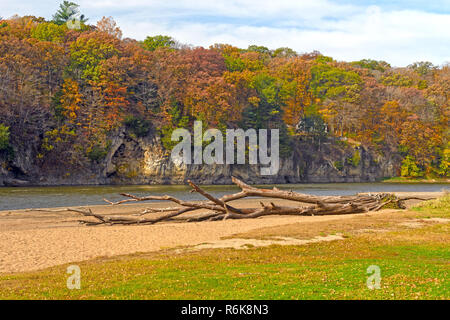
x=219, y=209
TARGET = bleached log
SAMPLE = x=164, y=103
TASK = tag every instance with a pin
x=219, y=209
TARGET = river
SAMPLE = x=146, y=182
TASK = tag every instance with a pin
x=48, y=197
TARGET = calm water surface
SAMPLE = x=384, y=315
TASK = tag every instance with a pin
x=47, y=197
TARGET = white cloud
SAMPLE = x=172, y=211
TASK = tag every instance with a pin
x=399, y=37
x=343, y=31
x=230, y=8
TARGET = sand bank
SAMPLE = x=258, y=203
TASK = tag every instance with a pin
x=32, y=240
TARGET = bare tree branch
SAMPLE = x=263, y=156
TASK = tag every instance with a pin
x=218, y=209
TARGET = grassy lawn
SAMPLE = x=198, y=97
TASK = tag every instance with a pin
x=416, y=180
x=414, y=264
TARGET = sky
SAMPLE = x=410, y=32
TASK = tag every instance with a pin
x=399, y=32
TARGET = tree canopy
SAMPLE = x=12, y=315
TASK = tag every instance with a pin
x=65, y=92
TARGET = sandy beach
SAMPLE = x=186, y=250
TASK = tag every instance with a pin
x=33, y=240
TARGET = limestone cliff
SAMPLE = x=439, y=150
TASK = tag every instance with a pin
x=133, y=160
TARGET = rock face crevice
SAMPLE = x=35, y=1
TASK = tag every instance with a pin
x=133, y=160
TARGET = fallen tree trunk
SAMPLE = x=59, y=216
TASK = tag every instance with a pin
x=219, y=209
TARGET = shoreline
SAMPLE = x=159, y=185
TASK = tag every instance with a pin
x=410, y=180
x=387, y=180
x=41, y=238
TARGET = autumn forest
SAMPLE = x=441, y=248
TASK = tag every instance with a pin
x=64, y=91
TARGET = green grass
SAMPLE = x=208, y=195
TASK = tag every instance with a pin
x=439, y=207
x=414, y=263
x=415, y=180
